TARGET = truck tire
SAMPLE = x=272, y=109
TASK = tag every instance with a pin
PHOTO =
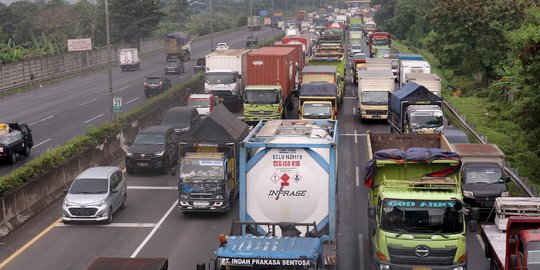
x=27, y=150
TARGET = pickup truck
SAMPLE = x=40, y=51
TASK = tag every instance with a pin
x=15, y=139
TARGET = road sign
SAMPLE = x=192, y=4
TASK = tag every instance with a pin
x=117, y=104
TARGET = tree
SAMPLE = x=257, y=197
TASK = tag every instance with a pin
x=178, y=11
x=88, y=16
x=132, y=20
x=58, y=22
x=18, y=26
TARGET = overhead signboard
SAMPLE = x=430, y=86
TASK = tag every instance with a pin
x=80, y=44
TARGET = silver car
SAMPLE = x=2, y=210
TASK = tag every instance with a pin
x=95, y=195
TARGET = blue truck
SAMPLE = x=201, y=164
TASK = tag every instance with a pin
x=288, y=172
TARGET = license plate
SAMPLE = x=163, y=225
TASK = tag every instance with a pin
x=376, y=116
x=221, y=99
x=143, y=164
x=1, y=149
x=421, y=268
x=201, y=204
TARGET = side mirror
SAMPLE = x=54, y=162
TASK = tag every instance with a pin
x=473, y=226
x=449, y=122
x=372, y=213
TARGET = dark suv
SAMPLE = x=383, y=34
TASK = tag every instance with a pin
x=155, y=147
x=251, y=41
x=200, y=66
x=174, y=66
x=156, y=85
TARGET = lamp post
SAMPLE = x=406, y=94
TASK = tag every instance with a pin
x=211, y=28
x=250, y=20
x=113, y=116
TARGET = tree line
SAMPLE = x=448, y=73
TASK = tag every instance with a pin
x=495, y=41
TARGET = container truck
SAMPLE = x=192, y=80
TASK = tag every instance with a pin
x=414, y=109
x=129, y=59
x=416, y=215
x=178, y=46
x=329, y=74
x=208, y=175
x=267, y=21
x=373, y=89
x=254, y=23
x=412, y=66
x=482, y=174
x=318, y=100
x=431, y=81
x=224, y=76
x=378, y=64
x=15, y=139
x=288, y=173
x=514, y=243
x=271, y=81
x=304, y=39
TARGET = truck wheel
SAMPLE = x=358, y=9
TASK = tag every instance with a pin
x=13, y=158
x=27, y=150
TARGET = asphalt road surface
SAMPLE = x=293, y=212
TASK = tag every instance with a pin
x=151, y=226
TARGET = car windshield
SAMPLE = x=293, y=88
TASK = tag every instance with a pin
x=149, y=139
x=533, y=255
x=482, y=174
x=220, y=77
x=317, y=111
x=177, y=117
x=153, y=80
x=201, y=169
x=199, y=103
x=89, y=186
x=426, y=121
x=374, y=97
x=201, y=61
x=423, y=217
x=356, y=48
x=261, y=97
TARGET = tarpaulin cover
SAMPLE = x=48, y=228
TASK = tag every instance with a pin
x=415, y=154
x=181, y=37
x=318, y=89
x=411, y=92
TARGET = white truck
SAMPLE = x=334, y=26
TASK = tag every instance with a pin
x=431, y=81
x=378, y=64
x=224, y=76
x=129, y=59
x=373, y=88
x=412, y=66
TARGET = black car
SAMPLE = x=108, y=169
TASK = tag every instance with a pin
x=251, y=41
x=174, y=66
x=155, y=147
x=156, y=85
x=181, y=118
x=200, y=66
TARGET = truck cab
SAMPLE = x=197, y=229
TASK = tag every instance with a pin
x=205, y=183
x=424, y=119
x=263, y=101
x=204, y=103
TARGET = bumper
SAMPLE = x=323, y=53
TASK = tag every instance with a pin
x=374, y=116
x=101, y=214
x=145, y=163
x=257, y=118
x=484, y=205
x=390, y=266
x=152, y=91
x=187, y=205
x=172, y=70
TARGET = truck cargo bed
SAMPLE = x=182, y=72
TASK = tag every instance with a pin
x=497, y=240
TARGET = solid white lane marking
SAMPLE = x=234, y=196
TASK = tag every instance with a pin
x=360, y=252
x=90, y=120
x=355, y=137
x=353, y=111
x=349, y=134
x=357, y=176
x=36, y=145
x=84, y=103
x=151, y=187
x=154, y=230
x=41, y=120
x=349, y=98
x=118, y=225
x=132, y=100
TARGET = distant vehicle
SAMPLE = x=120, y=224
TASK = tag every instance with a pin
x=156, y=85
x=129, y=59
x=200, y=66
x=251, y=41
x=111, y=263
x=95, y=195
x=155, y=147
x=181, y=118
x=178, y=46
x=15, y=139
x=204, y=103
x=174, y=66
x=222, y=46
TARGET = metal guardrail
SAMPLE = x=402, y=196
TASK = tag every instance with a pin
x=512, y=173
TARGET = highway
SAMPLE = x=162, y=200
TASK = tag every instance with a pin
x=151, y=226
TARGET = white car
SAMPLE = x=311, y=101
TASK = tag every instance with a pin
x=222, y=46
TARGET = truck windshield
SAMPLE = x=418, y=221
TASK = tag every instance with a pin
x=375, y=97
x=201, y=169
x=199, y=103
x=261, y=97
x=423, y=217
x=317, y=111
x=149, y=139
x=533, y=256
x=482, y=174
x=380, y=42
x=426, y=121
x=220, y=78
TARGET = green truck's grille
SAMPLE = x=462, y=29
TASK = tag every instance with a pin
x=422, y=255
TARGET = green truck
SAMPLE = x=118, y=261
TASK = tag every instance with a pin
x=416, y=215
x=336, y=60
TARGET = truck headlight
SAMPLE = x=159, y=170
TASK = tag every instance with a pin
x=219, y=197
x=384, y=267
x=458, y=268
x=184, y=196
x=468, y=194
x=505, y=193
x=129, y=154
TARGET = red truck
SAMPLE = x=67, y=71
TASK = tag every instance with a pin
x=513, y=242
x=379, y=40
x=303, y=39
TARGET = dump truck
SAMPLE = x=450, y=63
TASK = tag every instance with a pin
x=482, y=174
x=416, y=215
x=271, y=81
x=318, y=100
x=178, y=46
x=431, y=81
x=208, y=173
x=129, y=59
x=373, y=89
x=15, y=140
x=379, y=40
x=513, y=242
x=287, y=199
x=225, y=76
x=369, y=28
x=324, y=73
x=254, y=23
x=414, y=109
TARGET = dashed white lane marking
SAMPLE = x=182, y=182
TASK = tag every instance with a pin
x=151, y=187
x=132, y=100
x=41, y=142
x=90, y=120
x=357, y=176
x=84, y=103
x=41, y=120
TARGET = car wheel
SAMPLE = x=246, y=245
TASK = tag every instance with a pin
x=27, y=150
x=124, y=202
x=109, y=216
x=12, y=158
